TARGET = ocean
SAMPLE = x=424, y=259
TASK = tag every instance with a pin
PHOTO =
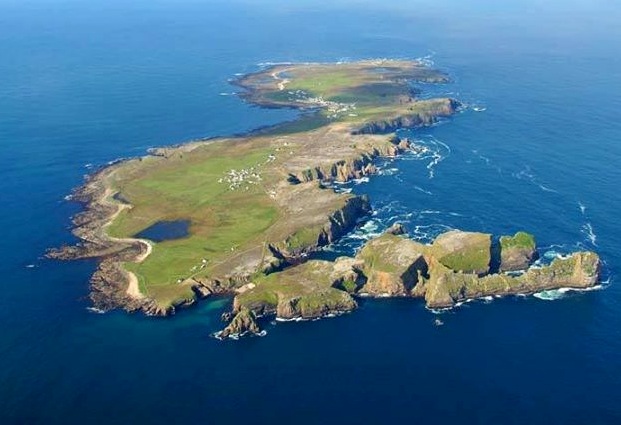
x=537, y=148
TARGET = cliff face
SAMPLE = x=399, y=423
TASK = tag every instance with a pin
x=416, y=117
x=580, y=270
x=517, y=252
x=354, y=167
x=392, y=266
x=334, y=227
x=243, y=322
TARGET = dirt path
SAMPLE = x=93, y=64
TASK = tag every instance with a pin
x=133, y=289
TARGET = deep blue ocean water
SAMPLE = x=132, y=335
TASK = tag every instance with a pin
x=84, y=83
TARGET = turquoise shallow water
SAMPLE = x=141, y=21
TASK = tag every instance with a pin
x=84, y=84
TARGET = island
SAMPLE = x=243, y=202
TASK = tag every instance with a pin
x=241, y=216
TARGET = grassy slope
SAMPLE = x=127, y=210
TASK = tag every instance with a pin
x=519, y=240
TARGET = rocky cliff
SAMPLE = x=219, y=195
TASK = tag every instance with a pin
x=517, y=252
x=336, y=224
x=243, y=322
x=392, y=266
x=306, y=291
x=417, y=116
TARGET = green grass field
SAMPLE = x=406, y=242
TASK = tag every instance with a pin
x=221, y=219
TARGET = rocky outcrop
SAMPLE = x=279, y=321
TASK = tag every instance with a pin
x=396, y=229
x=445, y=288
x=392, y=266
x=244, y=322
x=315, y=305
x=579, y=270
x=517, y=252
x=307, y=291
x=468, y=252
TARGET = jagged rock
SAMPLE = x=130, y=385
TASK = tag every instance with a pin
x=468, y=252
x=580, y=270
x=433, y=110
x=307, y=291
x=347, y=274
x=396, y=229
x=244, y=322
x=271, y=264
x=201, y=290
x=446, y=287
x=392, y=265
x=337, y=224
x=517, y=252
x=354, y=167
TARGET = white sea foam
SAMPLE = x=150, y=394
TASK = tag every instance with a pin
x=546, y=189
x=582, y=207
x=388, y=171
x=420, y=189
x=550, y=295
x=30, y=266
x=426, y=233
x=428, y=148
x=293, y=319
x=487, y=161
x=587, y=229
x=95, y=310
x=268, y=64
x=557, y=294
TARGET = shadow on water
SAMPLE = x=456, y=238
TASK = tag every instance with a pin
x=495, y=256
x=165, y=230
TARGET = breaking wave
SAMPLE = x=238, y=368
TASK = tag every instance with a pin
x=557, y=294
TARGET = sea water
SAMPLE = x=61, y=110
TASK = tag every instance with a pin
x=537, y=148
